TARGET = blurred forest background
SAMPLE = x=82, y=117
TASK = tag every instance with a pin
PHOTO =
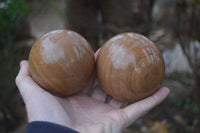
x=174, y=25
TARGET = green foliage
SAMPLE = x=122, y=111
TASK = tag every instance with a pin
x=189, y=103
x=12, y=14
x=175, y=99
x=186, y=103
x=58, y=11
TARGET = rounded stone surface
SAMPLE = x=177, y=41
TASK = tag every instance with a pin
x=130, y=67
x=62, y=62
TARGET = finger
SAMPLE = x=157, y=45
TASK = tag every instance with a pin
x=138, y=109
x=38, y=101
x=98, y=93
x=117, y=104
x=89, y=88
x=23, y=73
x=25, y=84
x=96, y=54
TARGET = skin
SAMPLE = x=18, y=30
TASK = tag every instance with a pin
x=81, y=112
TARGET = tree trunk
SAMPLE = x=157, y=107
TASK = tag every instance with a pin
x=126, y=16
x=196, y=91
x=188, y=13
x=82, y=18
x=101, y=19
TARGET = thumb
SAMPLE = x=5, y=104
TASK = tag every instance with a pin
x=140, y=108
x=22, y=75
x=24, y=82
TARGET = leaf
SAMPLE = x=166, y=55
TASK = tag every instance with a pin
x=158, y=127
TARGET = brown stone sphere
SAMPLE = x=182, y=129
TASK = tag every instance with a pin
x=62, y=62
x=130, y=67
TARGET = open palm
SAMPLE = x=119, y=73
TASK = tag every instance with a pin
x=81, y=112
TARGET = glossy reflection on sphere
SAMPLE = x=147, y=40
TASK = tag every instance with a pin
x=62, y=62
x=130, y=67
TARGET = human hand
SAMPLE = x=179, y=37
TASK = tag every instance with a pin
x=82, y=112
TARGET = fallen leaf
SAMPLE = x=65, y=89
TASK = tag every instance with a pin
x=158, y=127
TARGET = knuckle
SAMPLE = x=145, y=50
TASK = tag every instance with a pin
x=18, y=80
